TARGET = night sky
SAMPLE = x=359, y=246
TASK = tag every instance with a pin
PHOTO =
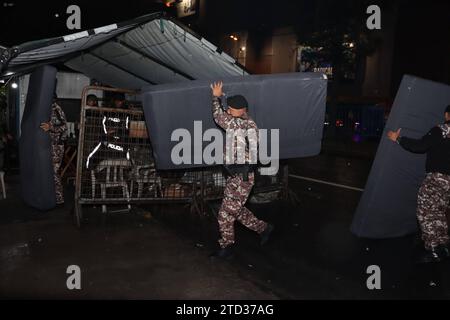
x=26, y=21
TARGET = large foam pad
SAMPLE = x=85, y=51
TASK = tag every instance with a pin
x=36, y=168
x=388, y=206
x=292, y=103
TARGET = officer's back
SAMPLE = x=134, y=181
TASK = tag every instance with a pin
x=436, y=144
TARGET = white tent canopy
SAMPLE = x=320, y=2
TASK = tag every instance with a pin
x=151, y=49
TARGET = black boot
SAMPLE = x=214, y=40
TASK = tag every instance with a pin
x=266, y=234
x=443, y=251
x=435, y=254
x=223, y=253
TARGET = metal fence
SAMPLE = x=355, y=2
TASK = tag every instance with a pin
x=356, y=122
x=115, y=164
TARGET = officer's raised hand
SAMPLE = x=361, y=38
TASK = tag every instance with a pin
x=393, y=135
x=216, y=88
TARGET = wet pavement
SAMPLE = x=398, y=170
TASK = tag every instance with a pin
x=125, y=256
x=161, y=252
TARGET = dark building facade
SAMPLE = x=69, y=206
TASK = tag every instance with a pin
x=267, y=38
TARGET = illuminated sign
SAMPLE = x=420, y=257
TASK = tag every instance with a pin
x=186, y=8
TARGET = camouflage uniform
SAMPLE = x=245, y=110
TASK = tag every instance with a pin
x=432, y=203
x=58, y=134
x=434, y=194
x=237, y=190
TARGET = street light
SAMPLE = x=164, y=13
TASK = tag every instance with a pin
x=14, y=85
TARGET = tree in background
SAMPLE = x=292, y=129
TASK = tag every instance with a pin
x=340, y=31
x=340, y=35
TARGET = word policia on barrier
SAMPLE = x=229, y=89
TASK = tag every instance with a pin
x=210, y=151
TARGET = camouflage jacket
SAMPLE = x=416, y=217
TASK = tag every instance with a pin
x=242, y=135
x=58, y=125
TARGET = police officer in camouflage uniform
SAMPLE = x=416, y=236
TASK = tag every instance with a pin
x=434, y=194
x=57, y=128
x=244, y=135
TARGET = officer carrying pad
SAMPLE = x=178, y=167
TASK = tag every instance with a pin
x=36, y=167
x=388, y=206
x=293, y=103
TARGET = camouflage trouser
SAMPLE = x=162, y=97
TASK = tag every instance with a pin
x=57, y=157
x=432, y=203
x=236, y=194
